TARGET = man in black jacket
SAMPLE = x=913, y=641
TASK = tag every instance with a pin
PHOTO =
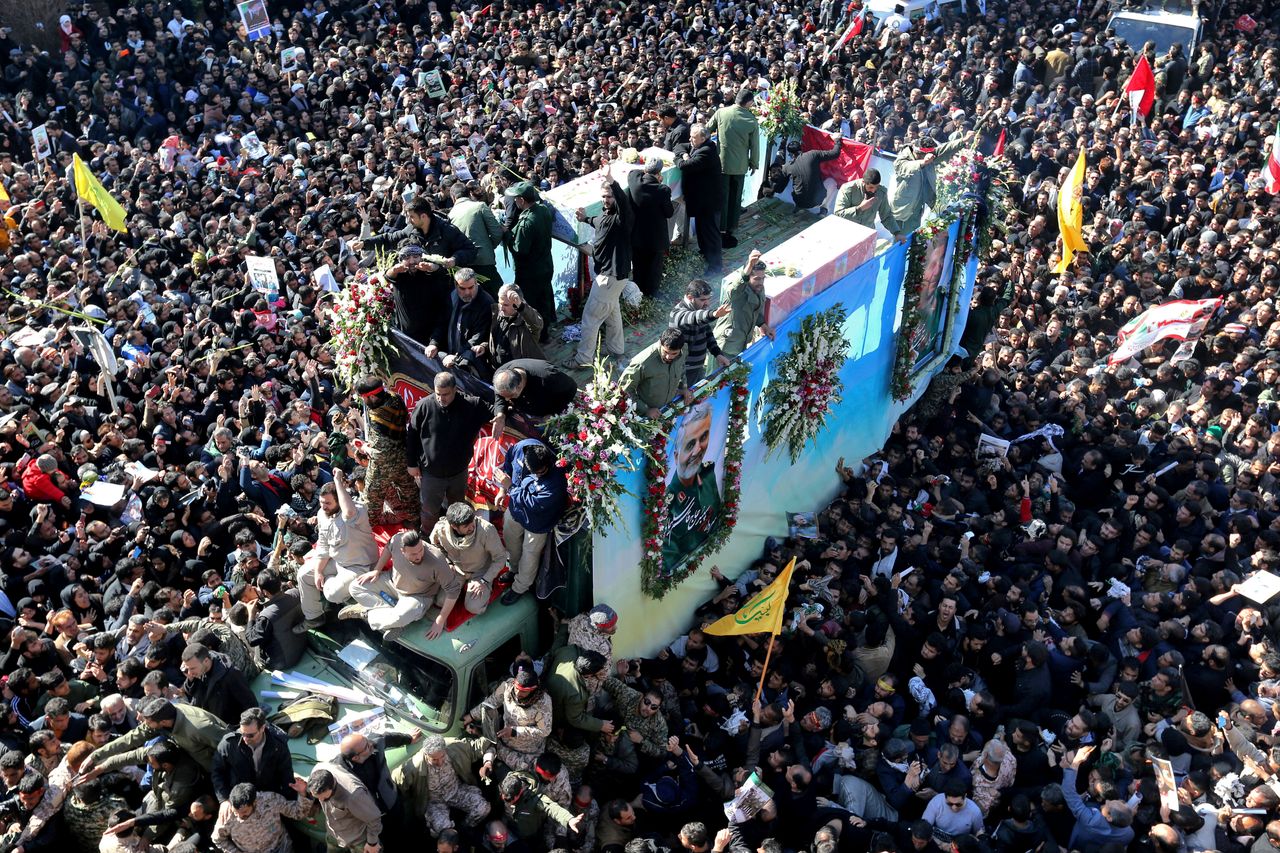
x=438, y=444
x=700, y=175
x=257, y=752
x=462, y=332
x=807, y=188
x=272, y=631
x=676, y=136
x=214, y=686
x=650, y=238
x=610, y=252
x=531, y=386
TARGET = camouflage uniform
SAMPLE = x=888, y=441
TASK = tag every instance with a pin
x=390, y=493
x=560, y=790
x=585, y=636
x=532, y=724
x=233, y=644
x=652, y=728
x=86, y=822
x=432, y=791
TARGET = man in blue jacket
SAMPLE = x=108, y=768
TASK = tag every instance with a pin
x=538, y=494
x=1110, y=824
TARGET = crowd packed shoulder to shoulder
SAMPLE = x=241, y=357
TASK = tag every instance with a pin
x=985, y=652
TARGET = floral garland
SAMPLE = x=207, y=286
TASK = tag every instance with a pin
x=653, y=582
x=360, y=322
x=778, y=111
x=902, y=382
x=806, y=385
x=959, y=175
x=595, y=438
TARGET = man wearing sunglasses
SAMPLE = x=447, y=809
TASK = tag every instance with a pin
x=952, y=813
x=646, y=726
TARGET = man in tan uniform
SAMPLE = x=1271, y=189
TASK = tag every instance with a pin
x=419, y=577
x=474, y=551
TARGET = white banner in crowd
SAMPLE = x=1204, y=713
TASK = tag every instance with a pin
x=1182, y=320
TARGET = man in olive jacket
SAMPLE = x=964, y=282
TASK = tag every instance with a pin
x=531, y=250
x=474, y=219
x=916, y=170
x=864, y=199
x=573, y=672
x=733, y=331
x=739, y=140
x=656, y=374
x=196, y=732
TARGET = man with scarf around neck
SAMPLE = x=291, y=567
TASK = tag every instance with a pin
x=474, y=551
x=525, y=722
x=391, y=495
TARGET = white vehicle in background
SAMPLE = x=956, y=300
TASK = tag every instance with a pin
x=1164, y=22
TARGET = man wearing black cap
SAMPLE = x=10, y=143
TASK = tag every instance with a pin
x=420, y=295
x=530, y=241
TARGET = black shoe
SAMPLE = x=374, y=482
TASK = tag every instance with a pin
x=510, y=597
x=728, y=240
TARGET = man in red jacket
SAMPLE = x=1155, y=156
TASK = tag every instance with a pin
x=43, y=482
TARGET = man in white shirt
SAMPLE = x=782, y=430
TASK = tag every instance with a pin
x=345, y=549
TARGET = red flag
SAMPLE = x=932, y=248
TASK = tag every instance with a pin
x=854, y=28
x=999, y=152
x=853, y=160
x=1273, y=167
x=1141, y=87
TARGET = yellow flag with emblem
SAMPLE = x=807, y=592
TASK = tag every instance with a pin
x=91, y=190
x=762, y=613
x=1071, y=215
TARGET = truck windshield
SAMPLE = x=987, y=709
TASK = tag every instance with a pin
x=412, y=686
x=1137, y=32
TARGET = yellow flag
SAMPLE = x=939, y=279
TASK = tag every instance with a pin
x=762, y=613
x=91, y=190
x=1071, y=215
x=5, y=201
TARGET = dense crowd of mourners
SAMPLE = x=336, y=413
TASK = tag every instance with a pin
x=1037, y=650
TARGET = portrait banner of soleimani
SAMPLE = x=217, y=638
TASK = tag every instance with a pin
x=693, y=506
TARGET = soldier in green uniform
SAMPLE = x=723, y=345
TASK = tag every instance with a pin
x=693, y=496
x=656, y=374
x=734, y=330
x=530, y=239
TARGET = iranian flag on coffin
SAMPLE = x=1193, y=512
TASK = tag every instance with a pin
x=1182, y=320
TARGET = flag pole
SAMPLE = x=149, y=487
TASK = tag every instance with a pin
x=764, y=673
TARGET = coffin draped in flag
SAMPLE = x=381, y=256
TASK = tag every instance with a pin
x=851, y=164
x=1182, y=320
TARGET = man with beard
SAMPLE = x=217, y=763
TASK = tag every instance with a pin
x=420, y=578
x=530, y=238
x=917, y=171
x=463, y=332
x=523, y=720
x=345, y=549
x=391, y=495
x=693, y=495
x=610, y=252
x=442, y=433
x=474, y=550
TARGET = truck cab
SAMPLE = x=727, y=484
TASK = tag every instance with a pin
x=427, y=685
x=1163, y=22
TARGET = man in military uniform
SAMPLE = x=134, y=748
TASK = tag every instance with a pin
x=530, y=237
x=528, y=809
x=733, y=331
x=525, y=722
x=433, y=782
x=646, y=727
x=594, y=630
x=656, y=374
x=739, y=134
x=693, y=497
x=917, y=178
x=863, y=200
x=573, y=676
x=391, y=495
x=474, y=551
